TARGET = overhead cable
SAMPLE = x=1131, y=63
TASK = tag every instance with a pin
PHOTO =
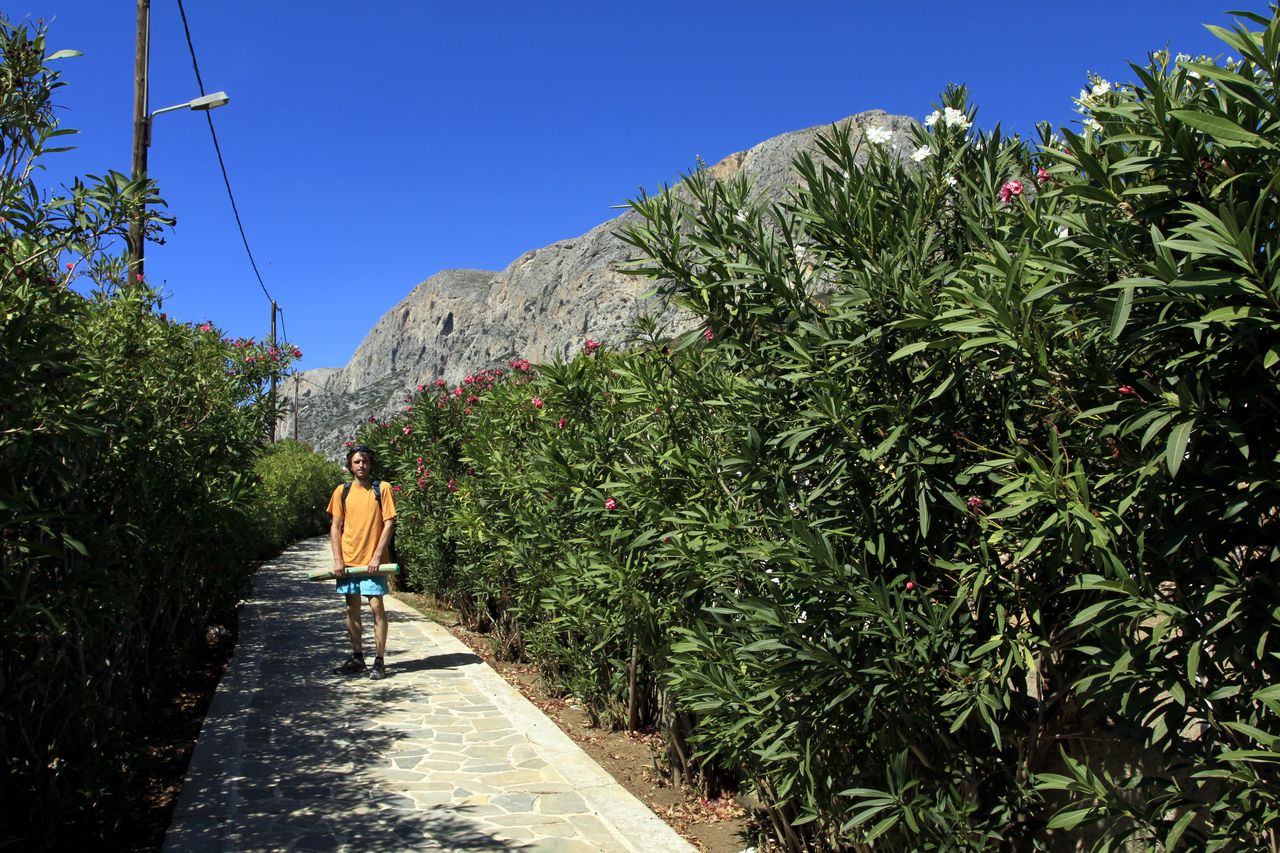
x=221, y=165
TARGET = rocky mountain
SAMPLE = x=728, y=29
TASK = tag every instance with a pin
x=542, y=306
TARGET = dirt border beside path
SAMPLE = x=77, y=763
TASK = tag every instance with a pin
x=715, y=826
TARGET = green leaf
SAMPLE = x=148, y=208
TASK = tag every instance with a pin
x=1175, y=833
x=1120, y=315
x=1220, y=128
x=62, y=54
x=1176, y=449
x=1070, y=819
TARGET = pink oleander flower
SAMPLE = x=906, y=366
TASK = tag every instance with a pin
x=439, y=383
x=537, y=402
x=452, y=485
x=591, y=346
x=373, y=419
x=472, y=398
x=408, y=430
x=911, y=585
x=1009, y=189
x=205, y=327
x=708, y=334
x=974, y=502
x=348, y=444
x=422, y=482
x=1042, y=176
x=1127, y=390
x=467, y=410
x=562, y=423
x=395, y=488
x=457, y=392
x=610, y=504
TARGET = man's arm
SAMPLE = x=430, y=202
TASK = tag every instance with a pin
x=335, y=542
x=382, y=543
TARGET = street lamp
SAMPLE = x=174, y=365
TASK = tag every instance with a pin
x=142, y=142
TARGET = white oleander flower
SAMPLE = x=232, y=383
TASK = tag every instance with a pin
x=878, y=135
x=955, y=118
x=921, y=153
x=1092, y=124
x=1064, y=232
x=932, y=118
x=741, y=216
x=1100, y=88
x=952, y=182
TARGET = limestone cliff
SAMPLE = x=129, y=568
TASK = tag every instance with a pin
x=542, y=306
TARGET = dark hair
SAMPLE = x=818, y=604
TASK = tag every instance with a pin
x=360, y=448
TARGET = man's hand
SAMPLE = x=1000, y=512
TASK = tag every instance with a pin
x=339, y=570
x=374, y=565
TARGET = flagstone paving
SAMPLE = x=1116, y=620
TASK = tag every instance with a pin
x=443, y=754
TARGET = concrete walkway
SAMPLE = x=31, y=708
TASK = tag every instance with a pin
x=442, y=754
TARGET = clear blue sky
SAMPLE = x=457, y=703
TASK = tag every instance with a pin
x=371, y=145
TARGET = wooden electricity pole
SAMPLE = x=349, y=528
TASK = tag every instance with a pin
x=274, y=309
x=137, y=227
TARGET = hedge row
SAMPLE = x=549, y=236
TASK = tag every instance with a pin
x=956, y=523
x=130, y=510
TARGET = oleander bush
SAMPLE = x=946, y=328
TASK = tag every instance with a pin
x=955, y=525
x=291, y=491
x=129, y=513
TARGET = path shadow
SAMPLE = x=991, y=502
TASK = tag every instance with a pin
x=449, y=661
x=288, y=752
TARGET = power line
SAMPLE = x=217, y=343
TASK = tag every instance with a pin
x=221, y=165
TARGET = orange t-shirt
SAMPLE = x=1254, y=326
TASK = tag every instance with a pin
x=362, y=523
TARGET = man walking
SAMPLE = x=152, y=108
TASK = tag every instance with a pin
x=364, y=514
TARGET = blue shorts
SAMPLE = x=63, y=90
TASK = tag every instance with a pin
x=376, y=585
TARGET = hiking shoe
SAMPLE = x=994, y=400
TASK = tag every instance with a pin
x=379, y=670
x=351, y=666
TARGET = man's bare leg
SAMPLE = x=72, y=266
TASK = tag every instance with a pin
x=355, y=628
x=379, y=623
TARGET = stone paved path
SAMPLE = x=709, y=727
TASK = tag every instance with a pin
x=442, y=754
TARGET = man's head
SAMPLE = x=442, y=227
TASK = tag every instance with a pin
x=366, y=455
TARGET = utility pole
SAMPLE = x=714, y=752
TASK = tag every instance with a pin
x=274, y=309
x=137, y=232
